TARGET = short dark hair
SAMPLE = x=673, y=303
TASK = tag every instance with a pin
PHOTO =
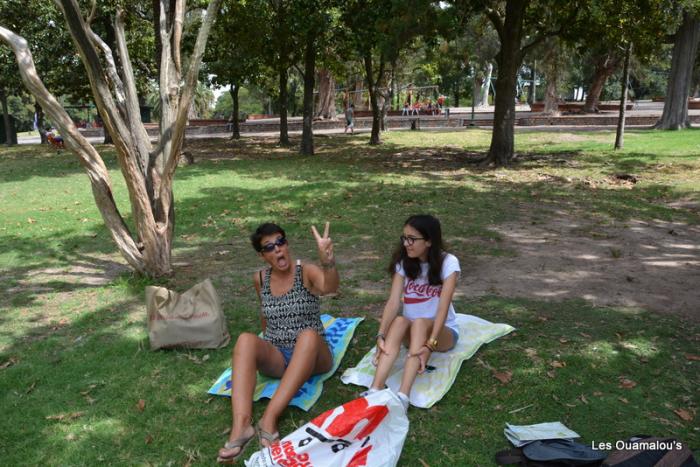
x=263, y=230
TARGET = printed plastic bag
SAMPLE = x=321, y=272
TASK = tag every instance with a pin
x=369, y=431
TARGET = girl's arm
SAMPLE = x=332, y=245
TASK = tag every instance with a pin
x=257, y=277
x=391, y=309
x=448, y=289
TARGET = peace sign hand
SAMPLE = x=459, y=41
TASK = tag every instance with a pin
x=325, y=245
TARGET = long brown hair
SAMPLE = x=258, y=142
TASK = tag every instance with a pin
x=429, y=228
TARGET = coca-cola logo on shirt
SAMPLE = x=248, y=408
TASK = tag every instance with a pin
x=421, y=292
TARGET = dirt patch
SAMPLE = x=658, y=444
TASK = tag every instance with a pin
x=651, y=265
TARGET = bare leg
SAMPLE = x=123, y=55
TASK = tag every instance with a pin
x=311, y=356
x=419, y=334
x=392, y=344
x=249, y=354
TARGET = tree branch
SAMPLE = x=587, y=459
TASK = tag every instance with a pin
x=86, y=153
x=117, y=84
x=114, y=123
x=93, y=11
x=96, y=75
x=133, y=110
x=496, y=20
x=185, y=101
x=177, y=33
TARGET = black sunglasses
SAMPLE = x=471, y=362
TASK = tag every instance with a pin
x=268, y=247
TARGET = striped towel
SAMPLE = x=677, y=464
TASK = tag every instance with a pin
x=339, y=332
x=432, y=385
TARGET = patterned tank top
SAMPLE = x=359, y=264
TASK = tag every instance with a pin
x=289, y=314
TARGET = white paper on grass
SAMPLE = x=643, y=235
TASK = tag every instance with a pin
x=369, y=431
x=520, y=435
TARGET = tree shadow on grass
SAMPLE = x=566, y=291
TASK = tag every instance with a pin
x=99, y=352
x=73, y=395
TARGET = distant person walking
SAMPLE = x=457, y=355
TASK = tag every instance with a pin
x=349, y=118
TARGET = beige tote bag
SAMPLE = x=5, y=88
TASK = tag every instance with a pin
x=192, y=320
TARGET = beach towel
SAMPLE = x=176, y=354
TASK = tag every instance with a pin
x=443, y=367
x=339, y=332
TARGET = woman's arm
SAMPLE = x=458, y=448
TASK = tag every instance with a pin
x=323, y=280
x=257, y=279
x=320, y=280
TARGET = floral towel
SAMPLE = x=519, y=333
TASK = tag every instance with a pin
x=339, y=332
x=432, y=385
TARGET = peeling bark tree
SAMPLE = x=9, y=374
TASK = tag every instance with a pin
x=685, y=49
x=148, y=171
x=485, y=86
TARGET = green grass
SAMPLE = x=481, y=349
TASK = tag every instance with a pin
x=71, y=344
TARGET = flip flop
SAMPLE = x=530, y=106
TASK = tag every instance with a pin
x=269, y=437
x=240, y=443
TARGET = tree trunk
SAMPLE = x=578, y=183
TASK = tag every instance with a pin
x=456, y=91
x=292, y=108
x=284, y=95
x=326, y=95
x=509, y=59
x=605, y=67
x=235, y=123
x=483, y=100
x=372, y=87
x=40, y=122
x=551, y=96
x=356, y=97
x=6, y=118
x=551, y=69
x=620, y=136
x=307, y=134
x=685, y=48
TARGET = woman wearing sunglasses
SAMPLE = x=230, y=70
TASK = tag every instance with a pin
x=424, y=277
x=292, y=347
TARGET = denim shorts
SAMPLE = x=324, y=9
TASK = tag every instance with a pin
x=455, y=338
x=288, y=351
x=286, y=354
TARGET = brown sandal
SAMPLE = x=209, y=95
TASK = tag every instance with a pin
x=240, y=443
x=271, y=438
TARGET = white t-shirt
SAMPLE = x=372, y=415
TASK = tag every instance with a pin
x=420, y=299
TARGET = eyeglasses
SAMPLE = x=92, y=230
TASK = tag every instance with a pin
x=268, y=247
x=409, y=240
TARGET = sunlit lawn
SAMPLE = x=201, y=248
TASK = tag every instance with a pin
x=74, y=350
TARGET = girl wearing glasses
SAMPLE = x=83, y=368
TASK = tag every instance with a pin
x=425, y=277
x=292, y=347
